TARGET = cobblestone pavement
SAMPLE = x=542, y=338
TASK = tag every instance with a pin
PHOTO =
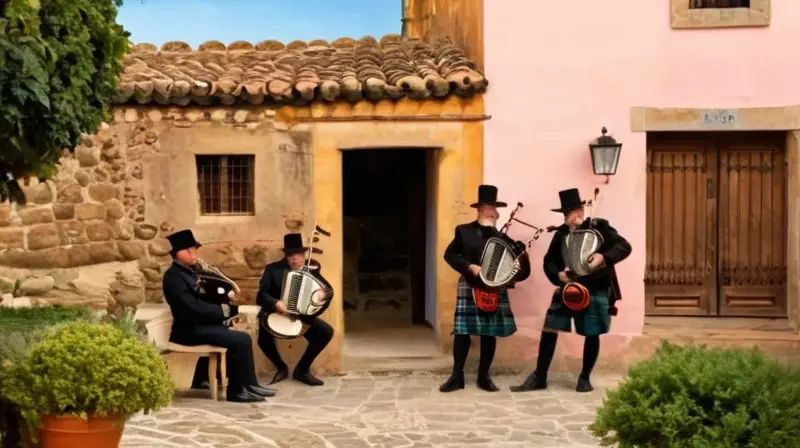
x=381, y=411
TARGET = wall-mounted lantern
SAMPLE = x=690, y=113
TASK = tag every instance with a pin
x=605, y=155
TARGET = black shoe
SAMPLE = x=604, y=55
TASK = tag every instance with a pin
x=244, y=396
x=487, y=384
x=280, y=375
x=307, y=378
x=532, y=382
x=584, y=386
x=455, y=382
x=262, y=391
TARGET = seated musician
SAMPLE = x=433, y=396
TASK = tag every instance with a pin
x=490, y=318
x=602, y=287
x=198, y=322
x=319, y=332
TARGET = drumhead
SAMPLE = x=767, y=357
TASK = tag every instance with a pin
x=282, y=326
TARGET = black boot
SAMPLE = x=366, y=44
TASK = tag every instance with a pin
x=261, y=391
x=584, y=385
x=244, y=396
x=487, y=384
x=532, y=382
x=455, y=382
x=307, y=378
x=280, y=375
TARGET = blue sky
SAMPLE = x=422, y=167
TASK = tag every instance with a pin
x=196, y=21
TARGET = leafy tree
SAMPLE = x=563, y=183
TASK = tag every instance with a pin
x=59, y=67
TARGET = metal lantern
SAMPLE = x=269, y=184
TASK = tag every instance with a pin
x=605, y=154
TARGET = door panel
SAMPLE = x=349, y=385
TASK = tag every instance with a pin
x=681, y=267
x=752, y=208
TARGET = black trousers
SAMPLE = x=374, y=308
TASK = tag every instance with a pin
x=239, y=358
x=318, y=335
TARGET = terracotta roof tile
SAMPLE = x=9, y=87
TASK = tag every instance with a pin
x=298, y=72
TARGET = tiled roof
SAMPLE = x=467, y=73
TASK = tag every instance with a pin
x=299, y=72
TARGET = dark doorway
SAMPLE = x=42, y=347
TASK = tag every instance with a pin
x=385, y=201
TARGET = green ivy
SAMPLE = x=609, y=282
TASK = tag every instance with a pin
x=86, y=369
x=59, y=66
x=696, y=397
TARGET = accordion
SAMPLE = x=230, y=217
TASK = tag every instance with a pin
x=499, y=262
x=579, y=246
x=305, y=293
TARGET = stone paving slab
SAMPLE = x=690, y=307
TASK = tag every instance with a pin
x=380, y=411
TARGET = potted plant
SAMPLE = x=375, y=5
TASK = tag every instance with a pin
x=20, y=328
x=83, y=380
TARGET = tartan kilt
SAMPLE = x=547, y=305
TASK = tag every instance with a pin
x=595, y=320
x=472, y=321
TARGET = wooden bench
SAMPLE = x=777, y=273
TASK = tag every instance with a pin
x=182, y=359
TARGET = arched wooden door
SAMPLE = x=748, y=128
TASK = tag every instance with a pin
x=716, y=224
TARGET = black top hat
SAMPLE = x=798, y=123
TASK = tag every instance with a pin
x=293, y=243
x=570, y=200
x=487, y=195
x=182, y=239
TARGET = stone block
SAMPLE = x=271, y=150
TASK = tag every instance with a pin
x=86, y=212
x=103, y=192
x=92, y=253
x=114, y=209
x=122, y=230
x=71, y=232
x=70, y=194
x=64, y=211
x=35, y=215
x=38, y=194
x=145, y=231
x=12, y=238
x=35, y=259
x=43, y=236
x=130, y=250
x=82, y=178
x=36, y=286
x=87, y=157
x=97, y=230
x=104, y=252
x=159, y=247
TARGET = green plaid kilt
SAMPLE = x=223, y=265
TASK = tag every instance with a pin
x=470, y=320
x=593, y=321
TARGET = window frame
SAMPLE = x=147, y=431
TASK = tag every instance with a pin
x=684, y=17
x=225, y=208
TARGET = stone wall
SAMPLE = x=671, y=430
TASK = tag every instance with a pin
x=95, y=233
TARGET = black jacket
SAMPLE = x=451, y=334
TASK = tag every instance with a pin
x=188, y=308
x=615, y=248
x=467, y=248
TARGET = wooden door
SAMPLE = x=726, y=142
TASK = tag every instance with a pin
x=752, y=223
x=716, y=224
x=681, y=268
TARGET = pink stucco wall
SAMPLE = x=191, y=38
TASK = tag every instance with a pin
x=561, y=70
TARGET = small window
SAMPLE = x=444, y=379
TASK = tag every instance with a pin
x=226, y=184
x=705, y=4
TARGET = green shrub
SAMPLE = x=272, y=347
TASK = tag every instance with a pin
x=22, y=327
x=87, y=368
x=696, y=397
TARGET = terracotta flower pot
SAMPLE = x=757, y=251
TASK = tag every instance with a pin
x=68, y=431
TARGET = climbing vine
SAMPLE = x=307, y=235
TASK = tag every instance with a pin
x=59, y=66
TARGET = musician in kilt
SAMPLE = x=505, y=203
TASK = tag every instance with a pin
x=319, y=333
x=199, y=321
x=490, y=315
x=601, y=285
